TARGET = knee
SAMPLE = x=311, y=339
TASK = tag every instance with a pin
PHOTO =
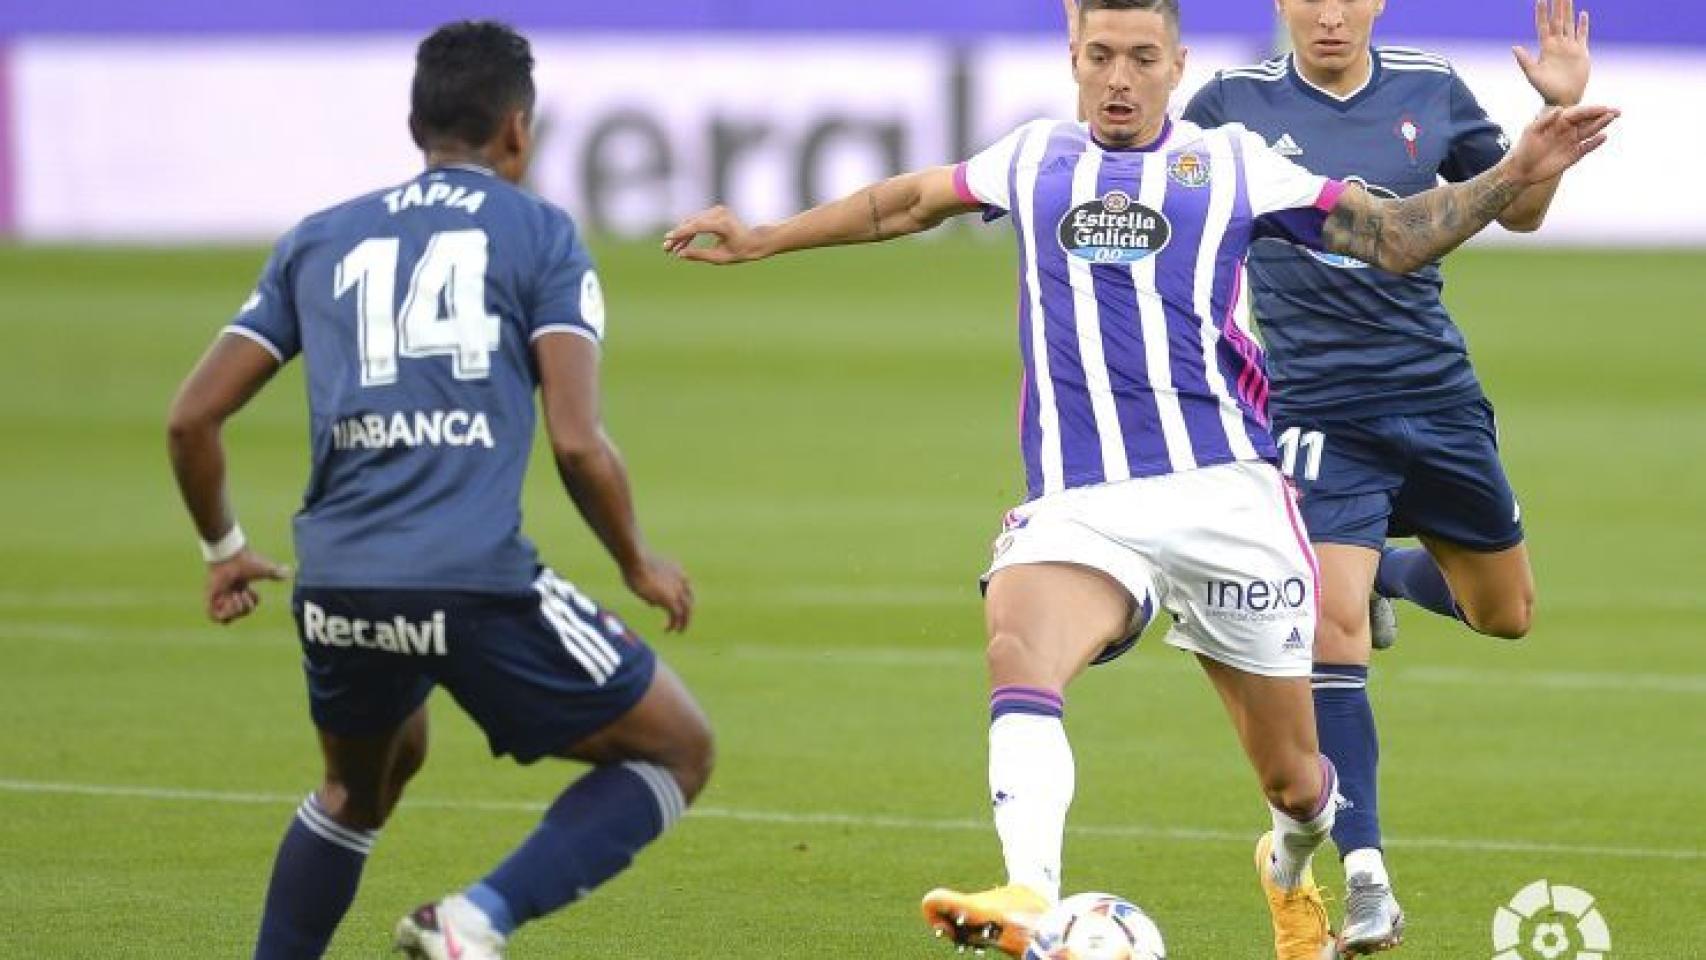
x=692, y=759
x=1013, y=658
x=1295, y=793
x=1508, y=619
x=356, y=808
x=1341, y=637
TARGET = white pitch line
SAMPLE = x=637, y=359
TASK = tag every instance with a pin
x=865, y=821
x=1170, y=663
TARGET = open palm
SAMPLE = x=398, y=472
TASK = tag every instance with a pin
x=1559, y=71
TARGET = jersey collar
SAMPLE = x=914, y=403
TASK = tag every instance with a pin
x=1346, y=102
x=470, y=167
x=1150, y=147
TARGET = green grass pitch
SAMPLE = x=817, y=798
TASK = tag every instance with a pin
x=827, y=444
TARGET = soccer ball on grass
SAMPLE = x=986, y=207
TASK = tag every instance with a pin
x=1096, y=926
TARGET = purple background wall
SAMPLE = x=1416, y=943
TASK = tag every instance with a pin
x=1505, y=20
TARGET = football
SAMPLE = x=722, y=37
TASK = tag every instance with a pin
x=1096, y=926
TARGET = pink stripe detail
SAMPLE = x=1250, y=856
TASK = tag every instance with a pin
x=962, y=185
x=1252, y=381
x=1331, y=191
x=1026, y=692
x=1290, y=498
x=8, y=170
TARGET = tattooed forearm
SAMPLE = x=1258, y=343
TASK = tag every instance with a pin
x=1407, y=234
x=876, y=218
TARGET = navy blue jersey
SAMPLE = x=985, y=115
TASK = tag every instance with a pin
x=1345, y=338
x=416, y=308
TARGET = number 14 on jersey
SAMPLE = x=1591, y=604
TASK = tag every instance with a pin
x=443, y=313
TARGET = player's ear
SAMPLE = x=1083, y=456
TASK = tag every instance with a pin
x=517, y=135
x=1379, y=7
x=1179, y=61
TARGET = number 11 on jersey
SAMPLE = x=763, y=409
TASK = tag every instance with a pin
x=444, y=311
x=1310, y=444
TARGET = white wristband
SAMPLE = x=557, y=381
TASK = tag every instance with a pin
x=226, y=547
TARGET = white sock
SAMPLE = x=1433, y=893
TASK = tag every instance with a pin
x=1368, y=860
x=1031, y=778
x=1295, y=841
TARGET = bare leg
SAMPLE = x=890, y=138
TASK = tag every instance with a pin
x=365, y=776
x=1495, y=591
x=1047, y=621
x=1275, y=722
x=666, y=728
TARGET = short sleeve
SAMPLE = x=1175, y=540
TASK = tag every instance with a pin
x=568, y=297
x=268, y=317
x=986, y=179
x=1208, y=108
x=1477, y=143
x=1287, y=201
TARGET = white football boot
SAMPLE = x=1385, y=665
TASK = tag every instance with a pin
x=1373, y=919
x=451, y=929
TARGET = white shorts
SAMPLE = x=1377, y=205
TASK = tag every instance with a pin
x=1221, y=548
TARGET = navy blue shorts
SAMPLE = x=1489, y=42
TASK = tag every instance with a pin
x=538, y=671
x=1436, y=473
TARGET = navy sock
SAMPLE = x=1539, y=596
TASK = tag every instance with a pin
x=590, y=834
x=313, y=882
x=1344, y=723
x=1411, y=574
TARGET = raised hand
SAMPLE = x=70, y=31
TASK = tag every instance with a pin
x=230, y=585
x=733, y=241
x=1559, y=71
x=1556, y=140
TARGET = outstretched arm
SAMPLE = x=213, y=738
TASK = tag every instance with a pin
x=1560, y=75
x=907, y=204
x=1404, y=235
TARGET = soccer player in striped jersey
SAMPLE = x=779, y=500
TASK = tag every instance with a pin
x=429, y=314
x=1380, y=418
x=1144, y=430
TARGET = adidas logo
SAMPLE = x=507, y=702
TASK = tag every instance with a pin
x=1294, y=643
x=1285, y=146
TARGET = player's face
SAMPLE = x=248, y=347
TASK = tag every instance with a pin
x=1128, y=62
x=1330, y=36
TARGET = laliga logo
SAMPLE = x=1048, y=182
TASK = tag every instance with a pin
x=1547, y=922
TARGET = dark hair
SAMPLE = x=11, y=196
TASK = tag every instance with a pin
x=468, y=75
x=1169, y=9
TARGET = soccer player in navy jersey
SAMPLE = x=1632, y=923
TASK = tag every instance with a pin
x=1380, y=418
x=428, y=314
x=1152, y=474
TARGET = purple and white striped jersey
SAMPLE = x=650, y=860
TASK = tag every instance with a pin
x=1129, y=263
